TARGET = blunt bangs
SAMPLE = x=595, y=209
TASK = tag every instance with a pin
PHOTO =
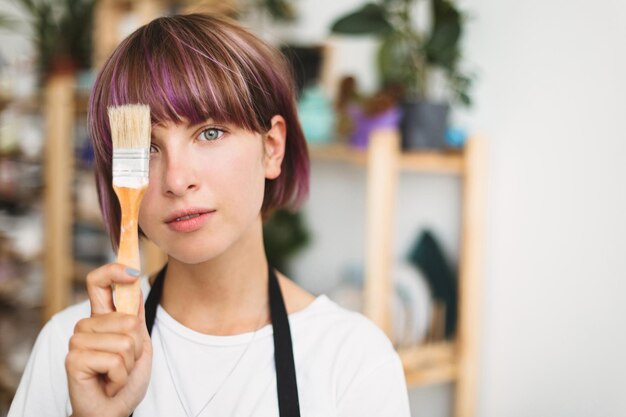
x=190, y=68
x=185, y=74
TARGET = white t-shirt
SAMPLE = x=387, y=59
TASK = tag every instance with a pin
x=345, y=367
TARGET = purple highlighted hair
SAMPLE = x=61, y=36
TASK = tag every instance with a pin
x=194, y=67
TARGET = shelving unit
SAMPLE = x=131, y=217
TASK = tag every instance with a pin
x=448, y=162
x=20, y=247
x=439, y=362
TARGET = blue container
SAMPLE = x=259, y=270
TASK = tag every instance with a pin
x=317, y=116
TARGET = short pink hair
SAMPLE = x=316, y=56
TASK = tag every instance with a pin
x=197, y=67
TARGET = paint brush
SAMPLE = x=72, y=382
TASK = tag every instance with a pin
x=130, y=133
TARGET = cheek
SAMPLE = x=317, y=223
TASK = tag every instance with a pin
x=146, y=209
x=244, y=186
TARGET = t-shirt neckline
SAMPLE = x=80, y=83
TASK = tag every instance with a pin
x=164, y=319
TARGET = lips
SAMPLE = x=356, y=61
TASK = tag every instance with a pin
x=186, y=214
x=188, y=220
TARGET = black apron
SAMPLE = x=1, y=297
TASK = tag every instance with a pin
x=288, y=404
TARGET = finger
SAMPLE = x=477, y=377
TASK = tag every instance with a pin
x=141, y=314
x=147, y=341
x=120, y=324
x=99, y=289
x=142, y=308
x=122, y=345
x=82, y=365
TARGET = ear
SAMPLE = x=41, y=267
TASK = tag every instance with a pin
x=274, y=147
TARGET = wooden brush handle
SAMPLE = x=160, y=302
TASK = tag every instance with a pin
x=127, y=295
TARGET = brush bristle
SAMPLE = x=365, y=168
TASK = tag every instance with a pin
x=130, y=126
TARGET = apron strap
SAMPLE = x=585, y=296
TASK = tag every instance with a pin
x=154, y=298
x=286, y=384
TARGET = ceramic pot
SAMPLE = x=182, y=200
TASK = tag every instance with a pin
x=423, y=124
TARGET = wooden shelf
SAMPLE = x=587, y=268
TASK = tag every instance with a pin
x=338, y=152
x=90, y=219
x=81, y=103
x=444, y=162
x=80, y=271
x=27, y=105
x=33, y=104
x=429, y=364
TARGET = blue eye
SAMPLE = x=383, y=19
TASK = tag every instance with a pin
x=212, y=133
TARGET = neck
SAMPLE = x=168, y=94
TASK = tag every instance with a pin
x=222, y=296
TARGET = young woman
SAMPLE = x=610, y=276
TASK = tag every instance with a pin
x=221, y=333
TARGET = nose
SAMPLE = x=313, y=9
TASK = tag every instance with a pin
x=180, y=175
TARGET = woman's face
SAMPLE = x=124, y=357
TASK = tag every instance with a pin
x=206, y=187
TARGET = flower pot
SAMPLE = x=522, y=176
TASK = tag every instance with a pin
x=364, y=124
x=423, y=125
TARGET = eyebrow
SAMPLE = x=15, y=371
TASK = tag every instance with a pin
x=185, y=121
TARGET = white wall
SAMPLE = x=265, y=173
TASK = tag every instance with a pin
x=17, y=65
x=15, y=42
x=550, y=99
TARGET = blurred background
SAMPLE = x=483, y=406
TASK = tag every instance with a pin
x=466, y=189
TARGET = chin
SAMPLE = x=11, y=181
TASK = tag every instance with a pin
x=193, y=253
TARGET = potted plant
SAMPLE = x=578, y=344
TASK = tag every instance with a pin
x=61, y=31
x=280, y=10
x=407, y=57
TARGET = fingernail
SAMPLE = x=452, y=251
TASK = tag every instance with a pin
x=133, y=272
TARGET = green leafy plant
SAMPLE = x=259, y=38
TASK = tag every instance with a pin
x=284, y=235
x=7, y=22
x=277, y=10
x=280, y=9
x=61, y=31
x=406, y=53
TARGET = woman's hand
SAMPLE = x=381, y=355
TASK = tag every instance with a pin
x=110, y=354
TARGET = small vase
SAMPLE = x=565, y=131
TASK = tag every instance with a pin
x=364, y=124
x=316, y=116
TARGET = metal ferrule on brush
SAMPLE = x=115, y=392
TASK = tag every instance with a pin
x=130, y=167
